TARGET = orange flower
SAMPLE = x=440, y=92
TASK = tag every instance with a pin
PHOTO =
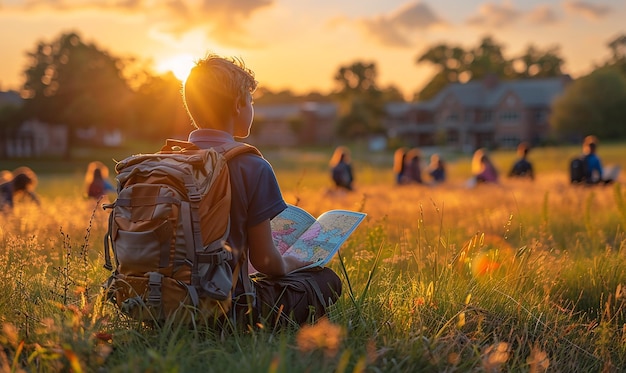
x=495, y=356
x=324, y=335
x=11, y=333
x=538, y=360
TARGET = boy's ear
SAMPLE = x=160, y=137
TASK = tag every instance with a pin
x=239, y=103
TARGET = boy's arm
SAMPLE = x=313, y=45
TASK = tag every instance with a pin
x=264, y=255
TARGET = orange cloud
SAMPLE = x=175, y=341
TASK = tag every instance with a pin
x=396, y=28
x=542, y=15
x=586, y=9
x=490, y=14
x=223, y=21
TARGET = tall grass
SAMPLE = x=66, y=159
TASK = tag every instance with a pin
x=523, y=276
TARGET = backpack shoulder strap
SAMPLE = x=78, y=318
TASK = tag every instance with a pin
x=174, y=145
x=232, y=150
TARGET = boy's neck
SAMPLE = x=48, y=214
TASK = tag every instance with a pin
x=215, y=133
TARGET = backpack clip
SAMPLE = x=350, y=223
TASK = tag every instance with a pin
x=214, y=258
x=155, y=280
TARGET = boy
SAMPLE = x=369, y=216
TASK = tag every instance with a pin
x=218, y=97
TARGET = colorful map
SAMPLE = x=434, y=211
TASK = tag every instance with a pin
x=298, y=233
x=323, y=237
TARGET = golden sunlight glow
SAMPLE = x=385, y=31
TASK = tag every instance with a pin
x=179, y=65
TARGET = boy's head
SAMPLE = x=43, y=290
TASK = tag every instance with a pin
x=216, y=88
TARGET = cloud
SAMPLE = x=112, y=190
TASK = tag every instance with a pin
x=542, y=15
x=396, y=29
x=384, y=32
x=495, y=15
x=223, y=21
x=586, y=9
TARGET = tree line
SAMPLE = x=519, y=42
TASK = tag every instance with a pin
x=76, y=83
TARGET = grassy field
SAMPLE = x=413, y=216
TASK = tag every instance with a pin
x=522, y=276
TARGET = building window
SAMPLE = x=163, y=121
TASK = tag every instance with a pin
x=509, y=141
x=452, y=117
x=540, y=116
x=487, y=115
x=452, y=137
x=509, y=116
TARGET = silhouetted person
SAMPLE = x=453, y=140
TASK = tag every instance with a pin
x=483, y=169
x=593, y=171
x=96, y=182
x=412, y=167
x=23, y=183
x=341, y=168
x=437, y=169
x=399, y=167
x=522, y=167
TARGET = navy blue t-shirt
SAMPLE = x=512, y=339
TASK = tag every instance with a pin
x=256, y=195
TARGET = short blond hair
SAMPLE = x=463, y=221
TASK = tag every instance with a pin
x=213, y=88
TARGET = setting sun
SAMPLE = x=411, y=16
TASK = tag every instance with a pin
x=179, y=65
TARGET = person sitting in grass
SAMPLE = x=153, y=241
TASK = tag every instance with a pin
x=218, y=97
x=97, y=184
x=437, y=169
x=522, y=167
x=341, y=168
x=594, y=172
x=483, y=169
x=22, y=184
x=413, y=168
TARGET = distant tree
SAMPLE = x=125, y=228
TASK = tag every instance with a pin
x=535, y=63
x=454, y=64
x=77, y=84
x=265, y=96
x=392, y=94
x=159, y=109
x=362, y=100
x=618, y=54
x=434, y=86
x=10, y=117
x=488, y=58
x=618, y=47
x=595, y=103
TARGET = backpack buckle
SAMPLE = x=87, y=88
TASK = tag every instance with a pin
x=194, y=197
x=155, y=281
x=214, y=258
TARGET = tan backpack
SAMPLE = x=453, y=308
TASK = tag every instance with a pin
x=168, y=229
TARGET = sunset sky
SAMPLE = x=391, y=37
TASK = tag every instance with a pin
x=300, y=44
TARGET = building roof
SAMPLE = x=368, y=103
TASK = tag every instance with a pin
x=399, y=108
x=476, y=94
x=537, y=92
